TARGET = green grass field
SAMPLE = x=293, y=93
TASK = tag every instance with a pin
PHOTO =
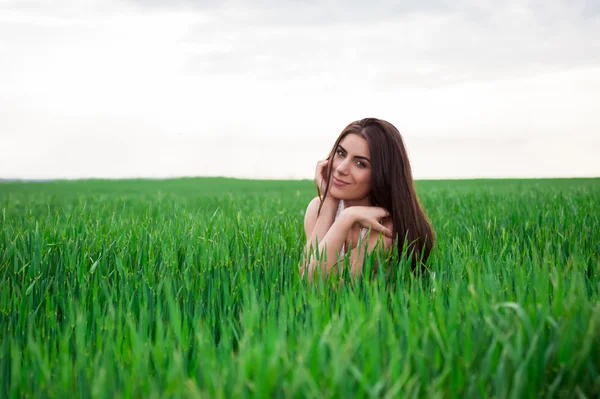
x=190, y=288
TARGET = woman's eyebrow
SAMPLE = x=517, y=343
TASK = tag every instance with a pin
x=356, y=156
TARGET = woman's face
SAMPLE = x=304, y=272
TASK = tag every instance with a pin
x=351, y=165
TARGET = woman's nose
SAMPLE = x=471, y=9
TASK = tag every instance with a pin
x=342, y=168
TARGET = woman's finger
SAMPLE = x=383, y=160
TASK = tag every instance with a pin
x=385, y=212
x=387, y=232
x=377, y=226
x=321, y=165
x=383, y=229
x=380, y=213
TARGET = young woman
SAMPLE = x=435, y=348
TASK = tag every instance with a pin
x=365, y=186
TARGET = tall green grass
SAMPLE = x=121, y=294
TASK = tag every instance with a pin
x=190, y=288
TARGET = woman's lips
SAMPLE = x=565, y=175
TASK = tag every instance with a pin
x=339, y=183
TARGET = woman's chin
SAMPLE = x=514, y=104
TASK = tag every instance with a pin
x=336, y=195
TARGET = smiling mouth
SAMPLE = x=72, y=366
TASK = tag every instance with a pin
x=339, y=182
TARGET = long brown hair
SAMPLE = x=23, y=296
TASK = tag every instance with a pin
x=392, y=187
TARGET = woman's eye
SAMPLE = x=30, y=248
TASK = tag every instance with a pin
x=362, y=165
x=340, y=153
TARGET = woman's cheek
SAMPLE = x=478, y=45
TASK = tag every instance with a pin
x=365, y=177
x=334, y=164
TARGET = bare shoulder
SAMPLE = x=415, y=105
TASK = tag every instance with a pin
x=310, y=217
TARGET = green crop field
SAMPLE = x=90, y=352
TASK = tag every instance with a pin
x=190, y=288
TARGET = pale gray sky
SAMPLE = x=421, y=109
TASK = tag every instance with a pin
x=262, y=89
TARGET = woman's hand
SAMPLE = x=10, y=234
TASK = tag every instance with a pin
x=370, y=217
x=321, y=175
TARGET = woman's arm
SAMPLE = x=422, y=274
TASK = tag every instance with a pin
x=316, y=227
x=329, y=247
x=322, y=223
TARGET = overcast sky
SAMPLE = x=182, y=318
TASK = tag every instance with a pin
x=262, y=89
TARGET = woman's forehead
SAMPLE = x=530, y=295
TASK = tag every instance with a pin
x=356, y=144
